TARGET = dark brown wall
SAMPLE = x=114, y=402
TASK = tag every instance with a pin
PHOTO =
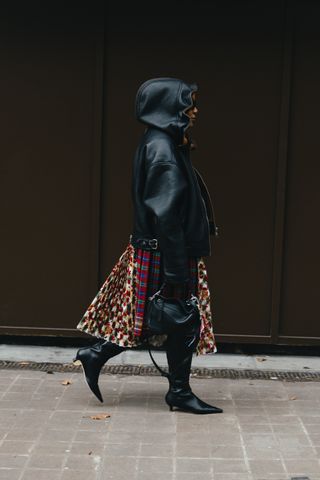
x=50, y=161
x=70, y=85
x=300, y=282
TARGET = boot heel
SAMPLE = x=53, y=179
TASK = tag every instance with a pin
x=169, y=404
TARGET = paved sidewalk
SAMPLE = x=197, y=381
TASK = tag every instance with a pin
x=268, y=430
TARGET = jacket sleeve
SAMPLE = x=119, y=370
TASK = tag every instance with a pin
x=164, y=193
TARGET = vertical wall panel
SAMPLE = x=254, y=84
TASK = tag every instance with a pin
x=50, y=123
x=301, y=284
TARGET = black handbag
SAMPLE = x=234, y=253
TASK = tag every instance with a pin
x=169, y=314
x=166, y=315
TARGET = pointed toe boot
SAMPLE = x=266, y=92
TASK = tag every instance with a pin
x=182, y=398
x=180, y=395
x=92, y=360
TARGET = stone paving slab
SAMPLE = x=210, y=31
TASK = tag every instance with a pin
x=268, y=430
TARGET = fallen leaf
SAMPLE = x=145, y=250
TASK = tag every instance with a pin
x=24, y=363
x=293, y=398
x=66, y=382
x=100, y=416
x=261, y=359
x=89, y=453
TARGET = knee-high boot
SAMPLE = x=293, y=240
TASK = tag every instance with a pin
x=92, y=359
x=179, y=349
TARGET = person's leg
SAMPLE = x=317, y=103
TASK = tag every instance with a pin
x=179, y=349
x=92, y=359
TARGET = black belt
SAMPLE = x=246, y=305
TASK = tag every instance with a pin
x=146, y=243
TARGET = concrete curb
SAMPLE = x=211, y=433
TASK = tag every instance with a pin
x=41, y=357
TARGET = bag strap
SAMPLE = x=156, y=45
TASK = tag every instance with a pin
x=162, y=372
x=170, y=376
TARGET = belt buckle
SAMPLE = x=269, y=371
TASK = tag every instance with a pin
x=156, y=243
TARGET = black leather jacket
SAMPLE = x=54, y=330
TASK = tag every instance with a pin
x=170, y=199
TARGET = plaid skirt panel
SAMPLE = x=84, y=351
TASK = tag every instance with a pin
x=149, y=278
x=117, y=311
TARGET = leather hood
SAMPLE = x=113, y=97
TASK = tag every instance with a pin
x=161, y=103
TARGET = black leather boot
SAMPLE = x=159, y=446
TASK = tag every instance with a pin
x=179, y=350
x=92, y=360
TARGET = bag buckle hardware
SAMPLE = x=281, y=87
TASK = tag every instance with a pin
x=155, y=294
x=195, y=299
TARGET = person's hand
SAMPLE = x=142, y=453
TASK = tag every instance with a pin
x=175, y=290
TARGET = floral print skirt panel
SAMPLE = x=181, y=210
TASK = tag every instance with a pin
x=117, y=311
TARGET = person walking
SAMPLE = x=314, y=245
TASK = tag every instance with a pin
x=173, y=222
